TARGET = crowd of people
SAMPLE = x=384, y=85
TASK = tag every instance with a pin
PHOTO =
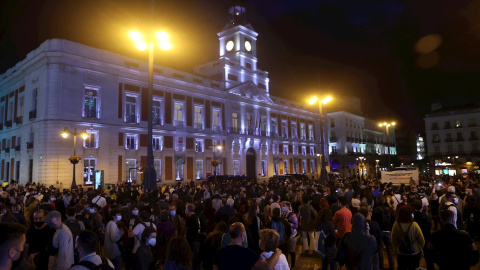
x=240, y=224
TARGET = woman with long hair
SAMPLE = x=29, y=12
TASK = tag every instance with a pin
x=292, y=219
x=179, y=254
x=212, y=243
x=254, y=224
x=407, y=239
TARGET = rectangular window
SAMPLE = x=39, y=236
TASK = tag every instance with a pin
x=332, y=122
x=285, y=149
x=157, y=112
x=312, y=166
x=131, y=170
x=157, y=164
x=275, y=168
x=34, y=99
x=90, y=103
x=304, y=166
x=303, y=134
x=216, y=126
x=236, y=167
x=263, y=126
x=199, y=146
x=2, y=115
x=273, y=128
x=178, y=114
x=131, y=115
x=179, y=144
x=294, y=130
x=264, y=168
x=458, y=124
x=312, y=151
x=21, y=106
x=179, y=171
x=131, y=142
x=295, y=167
x=157, y=143
x=310, y=132
x=92, y=140
x=89, y=168
x=234, y=122
x=199, y=169
x=285, y=166
x=284, y=129
x=198, y=118
x=275, y=148
x=304, y=150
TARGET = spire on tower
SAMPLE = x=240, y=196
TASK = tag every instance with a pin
x=237, y=12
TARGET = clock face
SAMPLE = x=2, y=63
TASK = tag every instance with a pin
x=248, y=46
x=229, y=45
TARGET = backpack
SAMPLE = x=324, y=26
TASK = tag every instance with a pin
x=103, y=266
x=321, y=243
x=406, y=246
x=74, y=227
x=278, y=226
x=459, y=214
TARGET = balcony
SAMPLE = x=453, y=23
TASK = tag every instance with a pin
x=460, y=139
x=334, y=153
x=132, y=119
x=448, y=140
x=448, y=126
x=199, y=148
x=285, y=136
x=434, y=127
x=17, y=148
x=157, y=148
x=32, y=114
x=263, y=133
x=7, y=150
x=29, y=145
x=233, y=130
x=473, y=138
x=19, y=120
x=274, y=135
x=91, y=114
x=249, y=131
x=8, y=123
x=131, y=146
x=157, y=121
x=217, y=129
x=333, y=139
x=179, y=124
x=91, y=145
x=198, y=126
x=180, y=147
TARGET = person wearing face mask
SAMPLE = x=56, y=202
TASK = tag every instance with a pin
x=179, y=222
x=62, y=240
x=146, y=261
x=452, y=205
x=39, y=240
x=12, y=242
x=85, y=245
x=112, y=235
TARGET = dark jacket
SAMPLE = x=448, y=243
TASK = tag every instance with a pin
x=425, y=223
x=452, y=249
x=307, y=216
x=360, y=247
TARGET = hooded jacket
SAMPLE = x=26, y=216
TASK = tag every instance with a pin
x=360, y=247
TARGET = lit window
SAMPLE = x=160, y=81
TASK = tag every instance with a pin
x=131, y=114
x=89, y=168
x=157, y=112
x=157, y=164
x=199, y=169
x=91, y=104
x=236, y=167
x=178, y=114
x=199, y=145
x=264, y=168
x=198, y=118
x=216, y=126
x=131, y=170
x=131, y=142
x=92, y=140
x=157, y=143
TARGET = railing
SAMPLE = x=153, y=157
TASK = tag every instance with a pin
x=92, y=114
x=157, y=121
x=132, y=146
x=448, y=140
x=7, y=150
x=19, y=120
x=157, y=148
x=199, y=149
x=198, y=126
x=217, y=129
x=233, y=130
x=473, y=138
x=434, y=128
x=29, y=145
x=459, y=139
x=274, y=135
x=17, y=148
x=131, y=118
x=284, y=136
x=32, y=114
x=8, y=123
x=179, y=124
x=180, y=147
x=91, y=144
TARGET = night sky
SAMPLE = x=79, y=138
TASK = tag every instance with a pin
x=370, y=49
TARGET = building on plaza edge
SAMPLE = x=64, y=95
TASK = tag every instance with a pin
x=452, y=139
x=226, y=102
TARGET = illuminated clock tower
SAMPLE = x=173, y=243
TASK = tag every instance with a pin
x=238, y=52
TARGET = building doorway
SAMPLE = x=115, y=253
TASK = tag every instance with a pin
x=251, y=164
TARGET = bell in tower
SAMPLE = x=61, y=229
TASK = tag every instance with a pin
x=237, y=12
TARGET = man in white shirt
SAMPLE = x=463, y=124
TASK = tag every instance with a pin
x=86, y=243
x=62, y=240
x=99, y=200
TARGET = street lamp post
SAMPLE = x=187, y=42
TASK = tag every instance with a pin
x=215, y=163
x=323, y=171
x=74, y=159
x=387, y=126
x=150, y=175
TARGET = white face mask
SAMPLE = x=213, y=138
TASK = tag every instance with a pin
x=455, y=200
x=135, y=212
x=92, y=210
x=152, y=241
x=118, y=218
